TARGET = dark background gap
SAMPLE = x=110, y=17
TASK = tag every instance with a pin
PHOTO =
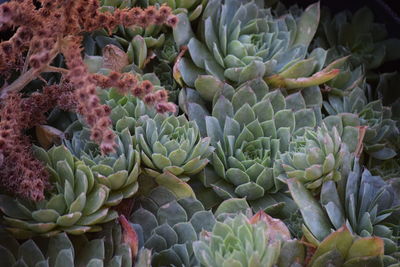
x=385, y=11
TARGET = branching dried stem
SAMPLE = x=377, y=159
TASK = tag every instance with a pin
x=29, y=75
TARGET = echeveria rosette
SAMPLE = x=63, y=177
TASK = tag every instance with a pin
x=139, y=42
x=356, y=35
x=164, y=71
x=170, y=225
x=241, y=40
x=238, y=240
x=76, y=203
x=173, y=144
x=127, y=111
x=315, y=158
x=118, y=171
x=342, y=248
x=134, y=40
x=349, y=77
x=366, y=204
x=348, y=127
x=381, y=128
x=61, y=250
x=111, y=97
x=245, y=155
x=249, y=128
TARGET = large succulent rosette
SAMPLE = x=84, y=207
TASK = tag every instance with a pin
x=315, y=158
x=170, y=225
x=366, y=204
x=240, y=40
x=76, y=204
x=250, y=127
x=381, y=129
x=172, y=144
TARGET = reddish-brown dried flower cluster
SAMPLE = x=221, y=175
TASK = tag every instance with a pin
x=20, y=172
x=96, y=114
x=41, y=29
x=41, y=34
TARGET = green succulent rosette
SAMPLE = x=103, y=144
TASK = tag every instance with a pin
x=315, y=158
x=118, y=171
x=172, y=144
x=381, y=128
x=342, y=248
x=171, y=223
x=164, y=71
x=348, y=127
x=76, y=204
x=250, y=127
x=366, y=204
x=134, y=40
x=348, y=78
x=242, y=241
x=241, y=40
x=61, y=250
x=126, y=111
x=139, y=42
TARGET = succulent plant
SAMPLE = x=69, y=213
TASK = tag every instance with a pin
x=141, y=43
x=315, y=158
x=164, y=72
x=241, y=40
x=126, y=111
x=118, y=171
x=172, y=144
x=342, y=248
x=134, y=40
x=129, y=105
x=380, y=126
x=356, y=35
x=242, y=241
x=76, y=204
x=170, y=225
x=61, y=250
x=348, y=78
x=366, y=204
x=250, y=127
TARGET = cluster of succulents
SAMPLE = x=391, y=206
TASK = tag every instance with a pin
x=61, y=250
x=366, y=204
x=283, y=150
x=77, y=203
